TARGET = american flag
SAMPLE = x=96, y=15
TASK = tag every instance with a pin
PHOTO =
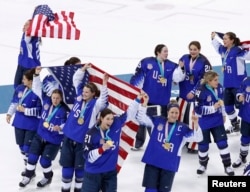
x=45, y=23
x=121, y=94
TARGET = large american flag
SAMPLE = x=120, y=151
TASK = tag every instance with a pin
x=121, y=94
x=45, y=23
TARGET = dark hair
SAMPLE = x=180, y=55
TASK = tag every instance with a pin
x=159, y=48
x=72, y=61
x=58, y=91
x=196, y=44
x=29, y=74
x=103, y=114
x=93, y=88
x=172, y=103
x=232, y=36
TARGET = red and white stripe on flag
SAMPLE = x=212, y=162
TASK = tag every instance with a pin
x=121, y=94
x=245, y=45
x=62, y=27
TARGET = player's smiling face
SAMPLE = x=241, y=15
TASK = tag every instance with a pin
x=194, y=51
x=107, y=121
x=173, y=114
x=87, y=94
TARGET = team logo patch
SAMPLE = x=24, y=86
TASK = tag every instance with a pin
x=79, y=98
x=248, y=89
x=46, y=106
x=20, y=94
x=209, y=98
x=150, y=66
x=160, y=127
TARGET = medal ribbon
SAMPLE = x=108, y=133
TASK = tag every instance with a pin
x=106, y=138
x=168, y=136
x=26, y=93
x=161, y=66
x=225, y=58
x=53, y=112
x=191, y=65
x=83, y=110
x=213, y=92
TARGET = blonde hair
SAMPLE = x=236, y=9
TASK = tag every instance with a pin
x=208, y=76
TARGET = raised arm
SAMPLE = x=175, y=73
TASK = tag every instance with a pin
x=37, y=84
x=79, y=75
x=216, y=44
x=102, y=101
x=141, y=116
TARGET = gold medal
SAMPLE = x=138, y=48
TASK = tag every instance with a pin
x=163, y=80
x=46, y=124
x=80, y=121
x=110, y=142
x=221, y=102
x=167, y=146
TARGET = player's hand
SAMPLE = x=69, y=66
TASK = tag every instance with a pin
x=194, y=118
x=181, y=64
x=38, y=70
x=241, y=98
x=57, y=128
x=106, y=146
x=86, y=66
x=21, y=108
x=105, y=79
x=217, y=105
x=190, y=95
x=8, y=117
x=213, y=35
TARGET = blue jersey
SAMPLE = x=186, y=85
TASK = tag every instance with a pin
x=27, y=98
x=72, y=129
x=107, y=161
x=244, y=110
x=193, y=74
x=233, y=64
x=29, y=56
x=155, y=153
x=147, y=77
x=209, y=117
x=58, y=118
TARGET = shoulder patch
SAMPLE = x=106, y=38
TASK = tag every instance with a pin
x=150, y=66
